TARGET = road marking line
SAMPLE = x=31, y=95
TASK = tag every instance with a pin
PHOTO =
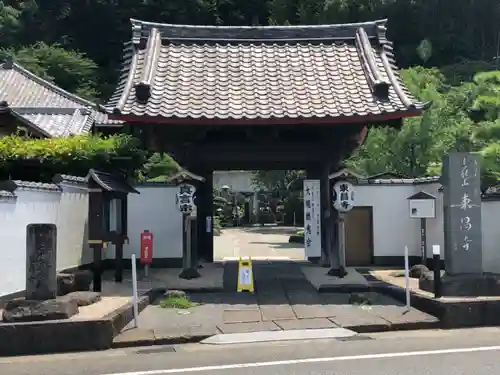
x=311, y=360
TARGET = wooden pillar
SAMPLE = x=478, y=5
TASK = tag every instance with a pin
x=326, y=222
x=204, y=219
x=209, y=246
x=95, y=224
x=120, y=238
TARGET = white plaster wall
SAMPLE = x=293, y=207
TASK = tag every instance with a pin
x=239, y=181
x=490, y=216
x=154, y=209
x=67, y=209
x=435, y=227
x=393, y=229
x=72, y=229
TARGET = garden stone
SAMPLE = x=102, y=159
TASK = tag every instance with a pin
x=65, y=283
x=30, y=311
x=82, y=298
x=359, y=299
x=175, y=294
x=418, y=270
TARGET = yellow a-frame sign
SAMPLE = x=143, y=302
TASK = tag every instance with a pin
x=245, y=275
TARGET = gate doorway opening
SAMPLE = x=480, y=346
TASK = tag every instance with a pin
x=256, y=212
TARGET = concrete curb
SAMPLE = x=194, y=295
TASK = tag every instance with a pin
x=59, y=336
x=392, y=327
x=186, y=339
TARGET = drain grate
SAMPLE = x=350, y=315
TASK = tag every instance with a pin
x=160, y=349
x=355, y=338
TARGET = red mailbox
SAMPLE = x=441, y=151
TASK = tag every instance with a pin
x=146, y=247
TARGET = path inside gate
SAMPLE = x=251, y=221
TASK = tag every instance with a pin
x=258, y=243
x=284, y=299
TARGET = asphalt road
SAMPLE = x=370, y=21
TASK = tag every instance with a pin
x=457, y=352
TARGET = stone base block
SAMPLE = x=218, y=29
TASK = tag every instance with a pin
x=81, y=298
x=31, y=311
x=487, y=285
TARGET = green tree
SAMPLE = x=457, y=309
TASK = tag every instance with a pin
x=158, y=168
x=68, y=69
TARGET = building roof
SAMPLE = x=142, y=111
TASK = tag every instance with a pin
x=43, y=106
x=111, y=182
x=340, y=72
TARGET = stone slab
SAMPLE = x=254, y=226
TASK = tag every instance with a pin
x=305, y=324
x=241, y=316
x=277, y=312
x=399, y=317
x=137, y=336
x=359, y=319
x=100, y=309
x=312, y=311
x=319, y=278
x=30, y=311
x=266, y=336
x=248, y=327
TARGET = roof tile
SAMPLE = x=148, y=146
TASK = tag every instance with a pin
x=176, y=71
x=44, y=106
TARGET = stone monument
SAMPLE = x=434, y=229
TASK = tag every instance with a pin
x=41, y=279
x=463, y=248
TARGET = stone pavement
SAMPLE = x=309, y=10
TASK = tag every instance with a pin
x=283, y=300
x=257, y=242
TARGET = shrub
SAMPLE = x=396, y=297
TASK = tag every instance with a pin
x=40, y=159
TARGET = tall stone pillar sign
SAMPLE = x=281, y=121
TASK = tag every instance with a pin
x=41, y=278
x=462, y=214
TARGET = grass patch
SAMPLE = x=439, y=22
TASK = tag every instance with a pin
x=175, y=302
x=359, y=300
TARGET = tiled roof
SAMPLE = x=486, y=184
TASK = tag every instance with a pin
x=211, y=72
x=102, y=119
x=66, y=178
x=57, y=122
x=110, y=182
x=44, y=106
x=21, y=88
x=13, y=185
x=403, y=181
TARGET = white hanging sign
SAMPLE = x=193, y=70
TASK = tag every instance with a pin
x=185, y=198
x=312, y=218
x=343, y=196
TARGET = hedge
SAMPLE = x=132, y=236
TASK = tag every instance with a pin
x=40, y=159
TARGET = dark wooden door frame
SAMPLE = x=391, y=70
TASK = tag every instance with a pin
x=370, y=232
